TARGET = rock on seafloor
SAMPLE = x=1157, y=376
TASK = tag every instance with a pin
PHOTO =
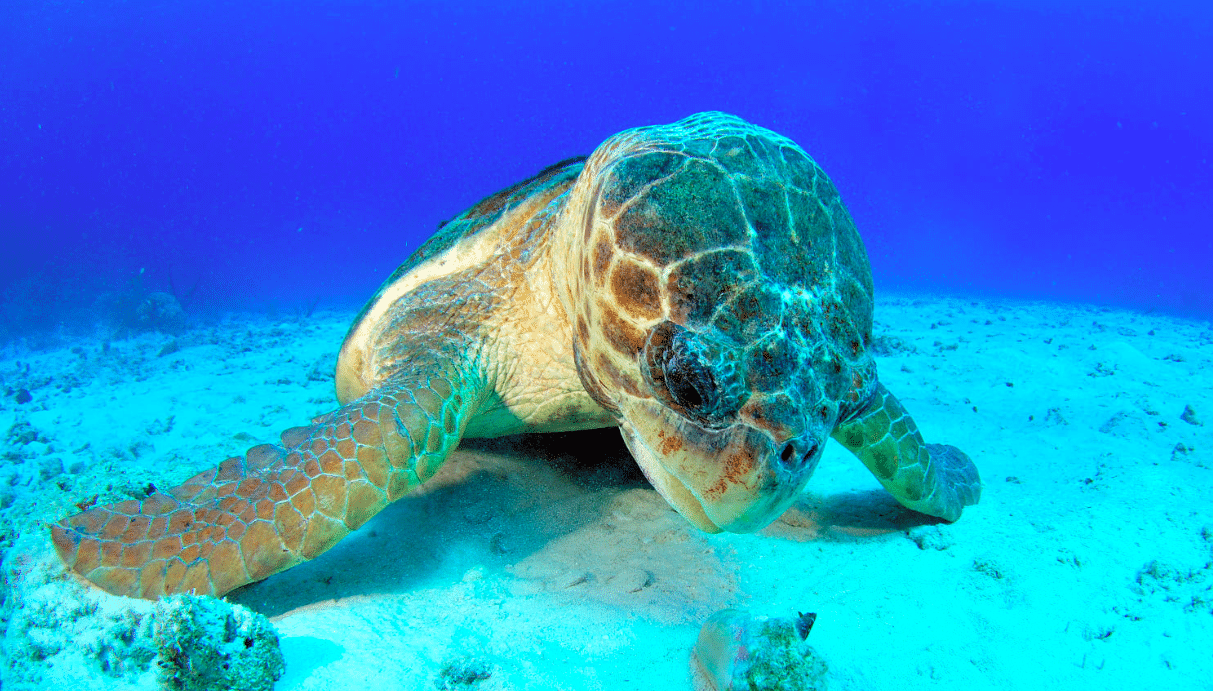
x=204, y=643
x=63, y=634
x=738, y=652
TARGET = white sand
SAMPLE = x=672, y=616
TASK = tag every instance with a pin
x=1088, y=563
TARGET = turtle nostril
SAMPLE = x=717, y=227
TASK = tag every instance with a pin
x=809, y=454
x=786, y=455
x=791, y=457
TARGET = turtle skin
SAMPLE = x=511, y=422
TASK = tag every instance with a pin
x=699, y=285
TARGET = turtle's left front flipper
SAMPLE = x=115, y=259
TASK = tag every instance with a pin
x=280, y=504
x=935, y=479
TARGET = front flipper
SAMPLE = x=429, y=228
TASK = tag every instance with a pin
x=279, y=505
x=934, y=479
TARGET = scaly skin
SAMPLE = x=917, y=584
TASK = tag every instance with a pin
x=277, y=506
x=699, y=285
x=935, y=479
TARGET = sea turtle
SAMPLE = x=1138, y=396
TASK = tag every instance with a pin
x=699, y=285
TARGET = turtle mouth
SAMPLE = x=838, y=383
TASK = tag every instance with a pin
x=669, y=487
x=730, y=479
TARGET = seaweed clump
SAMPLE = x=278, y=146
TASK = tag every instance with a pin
x=204, y=643
x=462, y=673
x=739, y=652
x=781, y=659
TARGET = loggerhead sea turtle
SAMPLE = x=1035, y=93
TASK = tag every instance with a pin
x=700, y=285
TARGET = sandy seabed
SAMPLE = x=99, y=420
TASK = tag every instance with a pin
x=551, y=564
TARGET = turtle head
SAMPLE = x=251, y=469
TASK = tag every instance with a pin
x=723, y=307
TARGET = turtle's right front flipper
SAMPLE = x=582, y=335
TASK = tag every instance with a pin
x=278, y=505
x=935, y=479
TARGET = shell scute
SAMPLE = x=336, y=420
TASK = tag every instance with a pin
x=627, y=177
x=699, y=284
x=691, y=211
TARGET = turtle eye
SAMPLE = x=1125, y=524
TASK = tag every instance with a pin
x=690, y=383
x=677, y=372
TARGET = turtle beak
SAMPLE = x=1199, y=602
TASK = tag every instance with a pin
x=731, y=479
x=668, y=486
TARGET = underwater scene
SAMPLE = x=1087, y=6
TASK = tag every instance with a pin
x=613, y=345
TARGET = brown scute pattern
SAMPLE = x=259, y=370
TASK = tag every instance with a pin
x=254, y=516
x=697, y=285
x=627, y=177
x=692, y=211
x=750, y=239
x=583, y=331
x=623, y=336
x=774, y=413
x=603, y=251
x=752, y=312
x=617, y=379
x=636, y=290
x=591, y=384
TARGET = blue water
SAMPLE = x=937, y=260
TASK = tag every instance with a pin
x=268, y=155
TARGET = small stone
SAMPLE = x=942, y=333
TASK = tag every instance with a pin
x=1054, y=417
x=1189, y=416
x=23, y=396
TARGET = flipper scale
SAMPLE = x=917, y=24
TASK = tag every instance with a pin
x=275, y=507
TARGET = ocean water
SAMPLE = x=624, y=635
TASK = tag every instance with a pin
x=196, y=198
x=279, y=153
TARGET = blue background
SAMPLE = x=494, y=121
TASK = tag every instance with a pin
x=277, y=153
